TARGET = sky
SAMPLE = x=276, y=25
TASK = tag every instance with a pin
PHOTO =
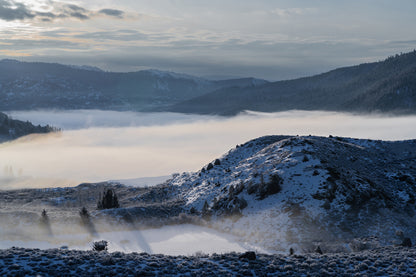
x=270, y=39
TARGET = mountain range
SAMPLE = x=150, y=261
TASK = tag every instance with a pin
x=28, y=86
x=387, y=86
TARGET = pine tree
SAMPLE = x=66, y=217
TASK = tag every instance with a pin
x=109, y=200
x=205, y=209
x=85, y=216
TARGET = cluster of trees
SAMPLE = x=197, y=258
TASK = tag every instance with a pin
x=13, y=128
x=108, y=201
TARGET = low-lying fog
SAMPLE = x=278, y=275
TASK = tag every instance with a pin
x=169, y=240
x=106, y=145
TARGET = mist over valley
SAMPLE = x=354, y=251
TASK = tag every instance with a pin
x=207, y=138
x=104, y=145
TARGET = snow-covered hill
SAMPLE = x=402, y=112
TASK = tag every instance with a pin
x=272, y=193
x=282, y=191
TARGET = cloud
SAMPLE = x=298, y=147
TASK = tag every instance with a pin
x=285, y=13
x=79, y=15
x=10, y=10
x=120, y=35
x=33, y=44
x=12, y=53
x=112, y=12
x=74, y=11
x=75, y=8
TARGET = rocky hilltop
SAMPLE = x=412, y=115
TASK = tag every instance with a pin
x=282, y=191
x=12, y=128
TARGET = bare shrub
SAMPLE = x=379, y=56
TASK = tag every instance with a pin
x=100, y=245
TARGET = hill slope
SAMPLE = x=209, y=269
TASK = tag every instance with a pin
x=25, y=86
x=285, y=190
x=387, y=86
x=12, y=129
x=272, y=193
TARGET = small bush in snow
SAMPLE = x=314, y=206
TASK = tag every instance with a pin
x=100, y=246
x=249, y=255
x=84, y=213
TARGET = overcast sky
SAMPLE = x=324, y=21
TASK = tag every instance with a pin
x=271, y=39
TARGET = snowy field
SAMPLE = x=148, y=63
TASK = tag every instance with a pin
x=392, y=261
x=105, y=145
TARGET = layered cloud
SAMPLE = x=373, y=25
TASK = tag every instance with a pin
x=274, y=40
x=12, y=10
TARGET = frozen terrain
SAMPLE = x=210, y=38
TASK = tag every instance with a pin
x=389, y=261
x=299, y=191
x=158, y=227
x=352, y=198
x=272, y=193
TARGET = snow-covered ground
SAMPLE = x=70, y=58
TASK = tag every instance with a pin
x=391, y=261
x=300, y=191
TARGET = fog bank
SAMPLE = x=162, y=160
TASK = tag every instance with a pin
x=169, y=240
x=103, y=145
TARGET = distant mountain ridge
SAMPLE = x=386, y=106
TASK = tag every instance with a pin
x=36, y=85
x=388, y=86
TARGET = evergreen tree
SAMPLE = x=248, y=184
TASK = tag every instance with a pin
x=109, y=200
